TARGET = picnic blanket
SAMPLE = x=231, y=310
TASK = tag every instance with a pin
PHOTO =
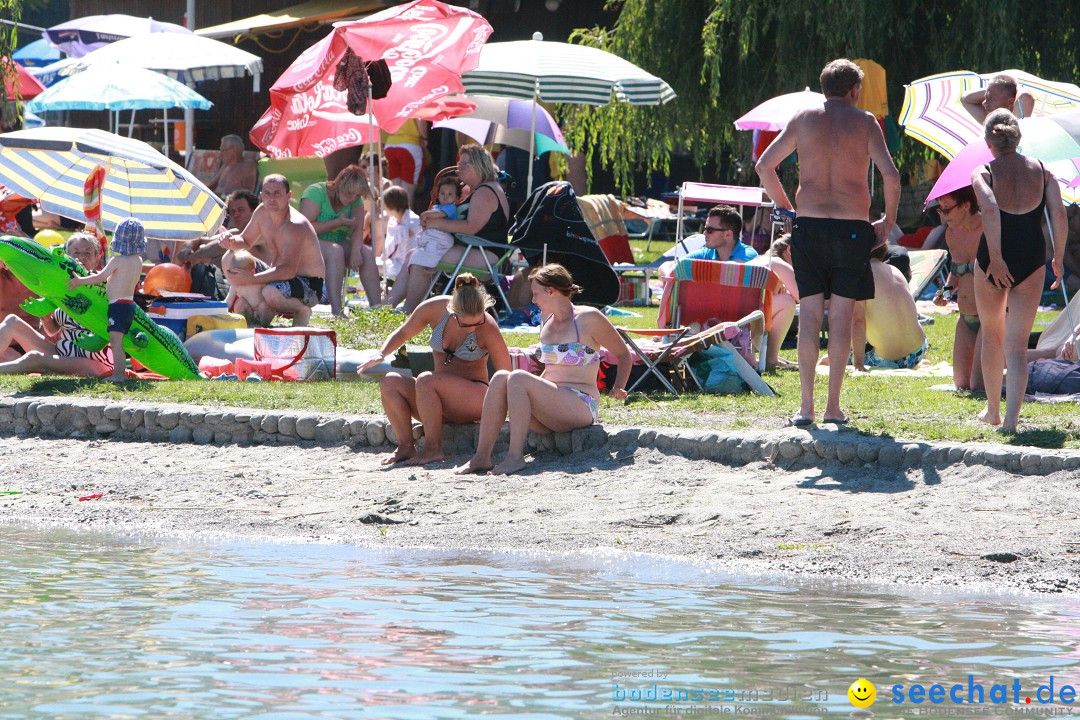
x=925, y=369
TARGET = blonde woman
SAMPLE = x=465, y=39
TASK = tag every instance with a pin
x=1013, y=192
x=464, y=336
x=488, y=217
x=336, y=211
x=564, y=397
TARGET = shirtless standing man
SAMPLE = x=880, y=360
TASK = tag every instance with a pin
x=831, y=239
x=294, y=281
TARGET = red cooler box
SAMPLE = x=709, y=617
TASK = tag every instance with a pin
x=173, y=313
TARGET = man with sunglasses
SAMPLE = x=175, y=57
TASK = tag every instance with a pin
x=723, y=237
x=723, y=233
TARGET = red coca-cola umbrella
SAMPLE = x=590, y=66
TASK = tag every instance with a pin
x=426, y=45
x=29, y=86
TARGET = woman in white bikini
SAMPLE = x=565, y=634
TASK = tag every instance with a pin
x=564, y=397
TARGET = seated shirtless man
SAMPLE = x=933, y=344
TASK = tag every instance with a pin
x=888, y=321
x=294, y=281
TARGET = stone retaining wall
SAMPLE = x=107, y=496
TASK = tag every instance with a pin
x=788, y=448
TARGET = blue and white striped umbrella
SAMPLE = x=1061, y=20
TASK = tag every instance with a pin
x=51, y=164
x=102, y=87
x=562, y=73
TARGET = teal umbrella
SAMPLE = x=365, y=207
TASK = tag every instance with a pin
x=112, y=87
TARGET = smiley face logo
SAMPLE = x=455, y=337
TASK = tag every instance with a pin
x=862, y=693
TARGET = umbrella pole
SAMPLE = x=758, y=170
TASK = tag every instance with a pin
x=532, y=134
x=165, y=128
x=1064, y=292
x=131, y=124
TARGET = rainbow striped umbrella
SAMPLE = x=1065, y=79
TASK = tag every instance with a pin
x=51, y=164
x=934, y=114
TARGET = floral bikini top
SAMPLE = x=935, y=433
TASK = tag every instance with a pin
x=574, y=353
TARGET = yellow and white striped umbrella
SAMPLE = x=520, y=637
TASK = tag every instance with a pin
x=51, y=164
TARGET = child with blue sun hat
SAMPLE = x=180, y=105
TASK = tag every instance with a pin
x=122, y=274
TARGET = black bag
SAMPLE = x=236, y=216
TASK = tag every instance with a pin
x=1053, y=377
x=551, y=217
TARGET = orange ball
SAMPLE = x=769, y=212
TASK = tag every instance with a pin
x=168, y=277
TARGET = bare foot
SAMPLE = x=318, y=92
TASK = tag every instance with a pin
x=986, y=417
x=425, y=459
x=509, y=466
x=402, y=454
x=473, y=466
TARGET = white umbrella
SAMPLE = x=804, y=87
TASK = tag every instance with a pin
x=560, y=72
x=81, y=36
x=188, y=58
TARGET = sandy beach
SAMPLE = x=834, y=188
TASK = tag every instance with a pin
x=975, y=527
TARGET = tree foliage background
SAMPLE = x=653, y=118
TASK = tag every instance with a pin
x=723, y=57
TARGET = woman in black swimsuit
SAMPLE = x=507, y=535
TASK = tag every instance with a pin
x=1013, y=192
x=488, y=217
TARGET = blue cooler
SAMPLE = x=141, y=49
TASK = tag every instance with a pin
x=173, y=313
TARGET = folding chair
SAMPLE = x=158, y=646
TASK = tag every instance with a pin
x=603, y=215
x=741, y=197
x=706, y=290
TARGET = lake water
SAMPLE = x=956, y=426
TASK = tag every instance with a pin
x=98, y=627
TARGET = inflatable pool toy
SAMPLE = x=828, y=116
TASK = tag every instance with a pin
x=46, y=272
x=49, y=238
x=166, y=276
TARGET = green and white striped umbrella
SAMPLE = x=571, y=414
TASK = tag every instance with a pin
x=51, y=164
x=562, y=73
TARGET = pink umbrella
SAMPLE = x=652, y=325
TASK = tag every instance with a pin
x=776, y=113
x=426, y=44
x=29, y=86
x=1052, y=139
x=958, y=173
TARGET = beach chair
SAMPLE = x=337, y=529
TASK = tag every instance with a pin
x=300, y=172
x=603, y=215
x=702, y=291
x=740, y=197
x=929, y=271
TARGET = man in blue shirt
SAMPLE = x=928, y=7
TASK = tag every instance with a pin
x=723, y=233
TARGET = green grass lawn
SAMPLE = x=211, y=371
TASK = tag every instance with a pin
x=900, y=407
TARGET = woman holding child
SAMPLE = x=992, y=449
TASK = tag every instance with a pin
x=565, y=396
x=488, y=217
x=336, y=211
x=1013, y=192
x=464, y=336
